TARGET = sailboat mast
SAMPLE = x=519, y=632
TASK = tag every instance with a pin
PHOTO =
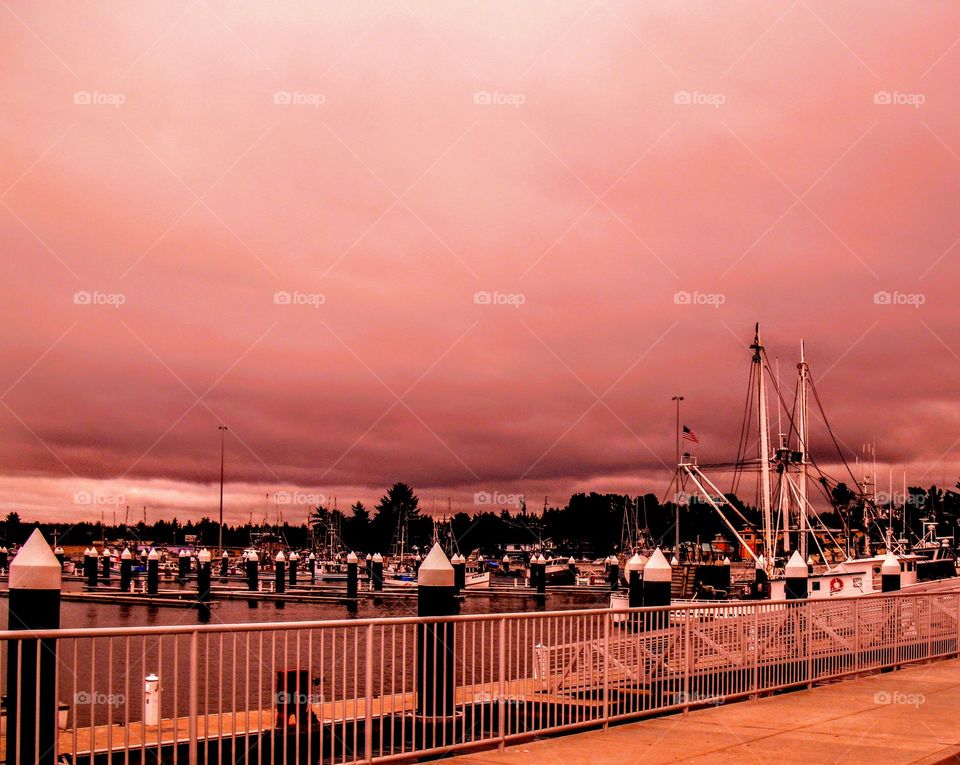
x=804, y=373
x=764, y=449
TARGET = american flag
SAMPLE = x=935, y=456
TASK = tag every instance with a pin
x=689, y=435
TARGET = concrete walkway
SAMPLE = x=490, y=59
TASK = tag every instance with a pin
x=908, y=716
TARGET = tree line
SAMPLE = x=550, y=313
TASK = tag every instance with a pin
x=588, y=524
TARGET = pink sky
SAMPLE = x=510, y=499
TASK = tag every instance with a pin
x=432, y=151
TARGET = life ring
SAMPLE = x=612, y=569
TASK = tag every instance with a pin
x=836, y=584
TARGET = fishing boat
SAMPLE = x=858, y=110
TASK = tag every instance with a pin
x=791, y=530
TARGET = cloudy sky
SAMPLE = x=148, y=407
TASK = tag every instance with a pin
x=474, y=246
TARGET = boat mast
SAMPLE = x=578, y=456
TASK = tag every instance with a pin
x=764, y=449
x=804, y=373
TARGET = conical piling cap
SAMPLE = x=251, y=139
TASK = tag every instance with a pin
x=809, y=560
x=294, y=556
x=674, y=561
x=761, y=562
x=369, y=557
x=890, y=565
x=280, y=557
x=312, y=556
x=352, y=557
x=252, y=555
x=35, y=567
x=204, y=555
x=540, y=559
x=657, y=568
x=126, y=554
x=636, y=563
x=377, y=558
x=571, y=561
x=726, y=561
x=154, y=555
x=435, y=571
x=225, y=554
x=796, y=568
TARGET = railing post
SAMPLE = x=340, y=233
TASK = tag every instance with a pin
x=194, y=693
x=368, y=699
x=607, y=618
x=808, y=642
x=501, y=695
x=688, y=661
x=756, y=651
x=856, y=636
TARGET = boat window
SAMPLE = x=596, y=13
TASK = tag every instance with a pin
x=876, y=569
x=815, y=584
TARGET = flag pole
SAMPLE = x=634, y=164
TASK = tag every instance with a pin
x=676, y=525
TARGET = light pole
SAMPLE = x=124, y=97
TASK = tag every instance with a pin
x=223, y=430
x=676, y=526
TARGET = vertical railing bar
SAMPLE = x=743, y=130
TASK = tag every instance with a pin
x=193, y=692
x=503, y=684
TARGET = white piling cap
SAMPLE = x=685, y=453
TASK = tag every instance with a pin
x=126, y=554
x=183, y=552
x=280, y=557
x=377, y=558
x=657, y=568
x=890, y=565
x=35, y=567
x=809, y=560
x=312, y=556
x=612, y=560
x=352, y=557
x=636, y=563
x=761, y=562
x=253, y=556
x=795, y=568
x=726, y=561
x=674, y=561
x=435, y=571
x=294, y=556
x=154, y=555
x=204, y=555
x=225, y=554
x=571, y=561
x=152, y=678
x=540, y=559
x=369, y=557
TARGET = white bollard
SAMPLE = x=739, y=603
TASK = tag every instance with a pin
x=151, y=701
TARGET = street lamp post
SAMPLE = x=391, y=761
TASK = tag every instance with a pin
x=676, y=526
x=223, y=430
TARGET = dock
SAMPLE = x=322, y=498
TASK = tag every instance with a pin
x=907, y=716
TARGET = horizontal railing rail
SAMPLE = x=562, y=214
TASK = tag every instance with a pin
x=368, y=690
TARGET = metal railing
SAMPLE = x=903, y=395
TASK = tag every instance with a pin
x=379, y=690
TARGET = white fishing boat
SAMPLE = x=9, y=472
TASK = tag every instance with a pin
x=790, y=525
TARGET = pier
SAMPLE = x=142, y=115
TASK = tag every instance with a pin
x=905, y=717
